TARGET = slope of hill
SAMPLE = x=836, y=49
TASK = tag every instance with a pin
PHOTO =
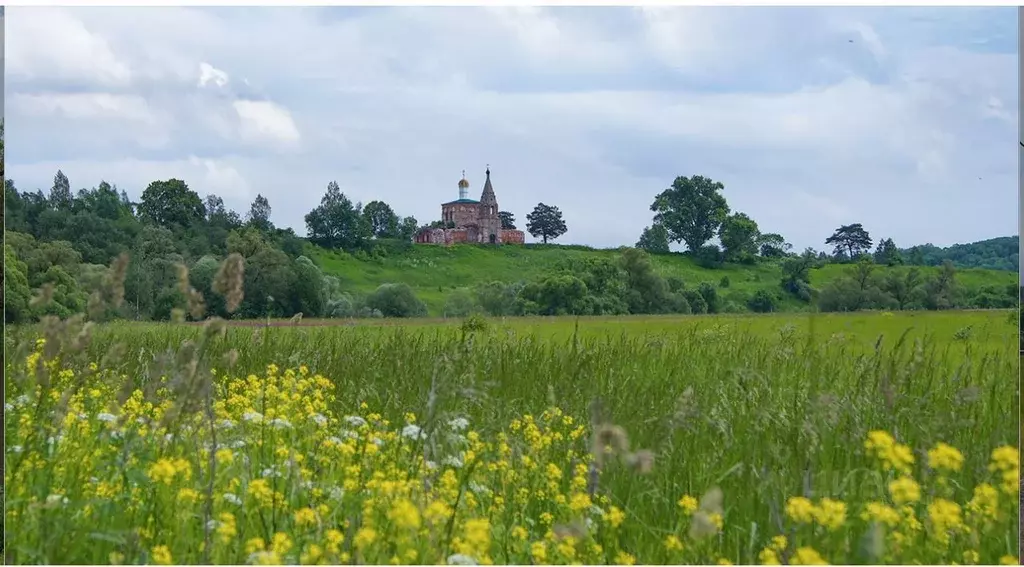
x=1001, y=253
x=434, y=272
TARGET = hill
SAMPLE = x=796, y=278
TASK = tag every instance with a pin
x=1001, y=253
x=435, y=273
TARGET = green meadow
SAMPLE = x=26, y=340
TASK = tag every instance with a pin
x=733, y=439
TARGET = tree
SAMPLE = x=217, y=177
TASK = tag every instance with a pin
x=763, y=301
x=336, y=223
x=691, y=210
x=545, y=222
x=850, y=239
x=60, y=194
x=508, y=220
x=396, y=300
x=171, y=204
x=381, y=219
x=646, y=291
x=772, y=245
x=654, y=239
x=887, y=253
x=739, y=235
x=904, y=288
x=259, y=214
x=796, y=274
x=407, y=228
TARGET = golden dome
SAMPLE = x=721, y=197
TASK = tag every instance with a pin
x=463, y=184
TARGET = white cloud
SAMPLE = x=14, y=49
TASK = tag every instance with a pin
x=85, y=106
x=209, y=74
x=264, y=121
x=53, y=44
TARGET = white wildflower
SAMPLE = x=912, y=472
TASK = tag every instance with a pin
x=226, y=424
x=237, y=444
x=106, y=417
x=280, y=423
x=355, y=420
x=16, y=448
x=458, y=423
x=56, y=499
x=452, y=461
x=412, y=432
x=232, y=498
x=319, y=420
x=253, y=416
x=460, y=559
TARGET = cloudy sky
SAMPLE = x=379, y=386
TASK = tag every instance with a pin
x=904, y=120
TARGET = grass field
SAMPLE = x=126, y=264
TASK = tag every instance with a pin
x=434, y=271
x=754, y=439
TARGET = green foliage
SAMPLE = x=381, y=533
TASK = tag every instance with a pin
x=460, y=303
x=171, y=204
x=850, y=240
x=887, y=253
x=17, y=292
x=993, y=254
x=381, y=219
x=654, y=239
x=337, y=223
x=692, y=210
x=508, y=220
x=545, y=222
x=739, y=236
x=396, y=300
x=763, y=301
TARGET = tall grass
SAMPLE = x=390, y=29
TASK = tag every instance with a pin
x=762, y=416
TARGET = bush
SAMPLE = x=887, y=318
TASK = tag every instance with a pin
x=696, y=301
x=710, y=295
x=396, y=300
x=763, y=301
x=724, y=282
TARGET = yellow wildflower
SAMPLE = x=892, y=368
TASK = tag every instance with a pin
x=305, y=517
x=768, y=556
x=830, y=513
x=615, y=517
x=162, y=555
x=945, y=517
x=539, y=552
x=807, y=556
x=945, y=458
x=800, y=510
x=689, y=504
x=1008, y=560
x=881, y=513
x=364, y=538
x=623, y=558
x=672, y=543
x=904, y=490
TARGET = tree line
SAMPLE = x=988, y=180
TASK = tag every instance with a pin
x=61, y=241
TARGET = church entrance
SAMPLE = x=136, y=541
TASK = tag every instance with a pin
x=494, y=239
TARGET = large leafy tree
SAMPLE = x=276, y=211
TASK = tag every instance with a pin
x=545, y=222
x=772, y=245
x=381, y=218
x=739, y=234
x=171, y=204
x=850, y=239
x=692, y=210
x=337, y=222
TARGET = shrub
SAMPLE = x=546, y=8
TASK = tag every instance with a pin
x=396, y=300
x=763, y=301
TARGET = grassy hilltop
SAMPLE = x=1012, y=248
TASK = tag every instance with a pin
x=435, y=271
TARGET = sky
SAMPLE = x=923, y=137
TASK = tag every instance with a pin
x=902, y=119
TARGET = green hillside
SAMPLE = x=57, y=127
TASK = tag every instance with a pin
x=434, y=272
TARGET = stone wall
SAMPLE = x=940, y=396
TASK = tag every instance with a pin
x=512, y=236
x=449, y=236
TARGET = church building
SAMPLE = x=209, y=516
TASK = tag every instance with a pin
x=467, y=220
